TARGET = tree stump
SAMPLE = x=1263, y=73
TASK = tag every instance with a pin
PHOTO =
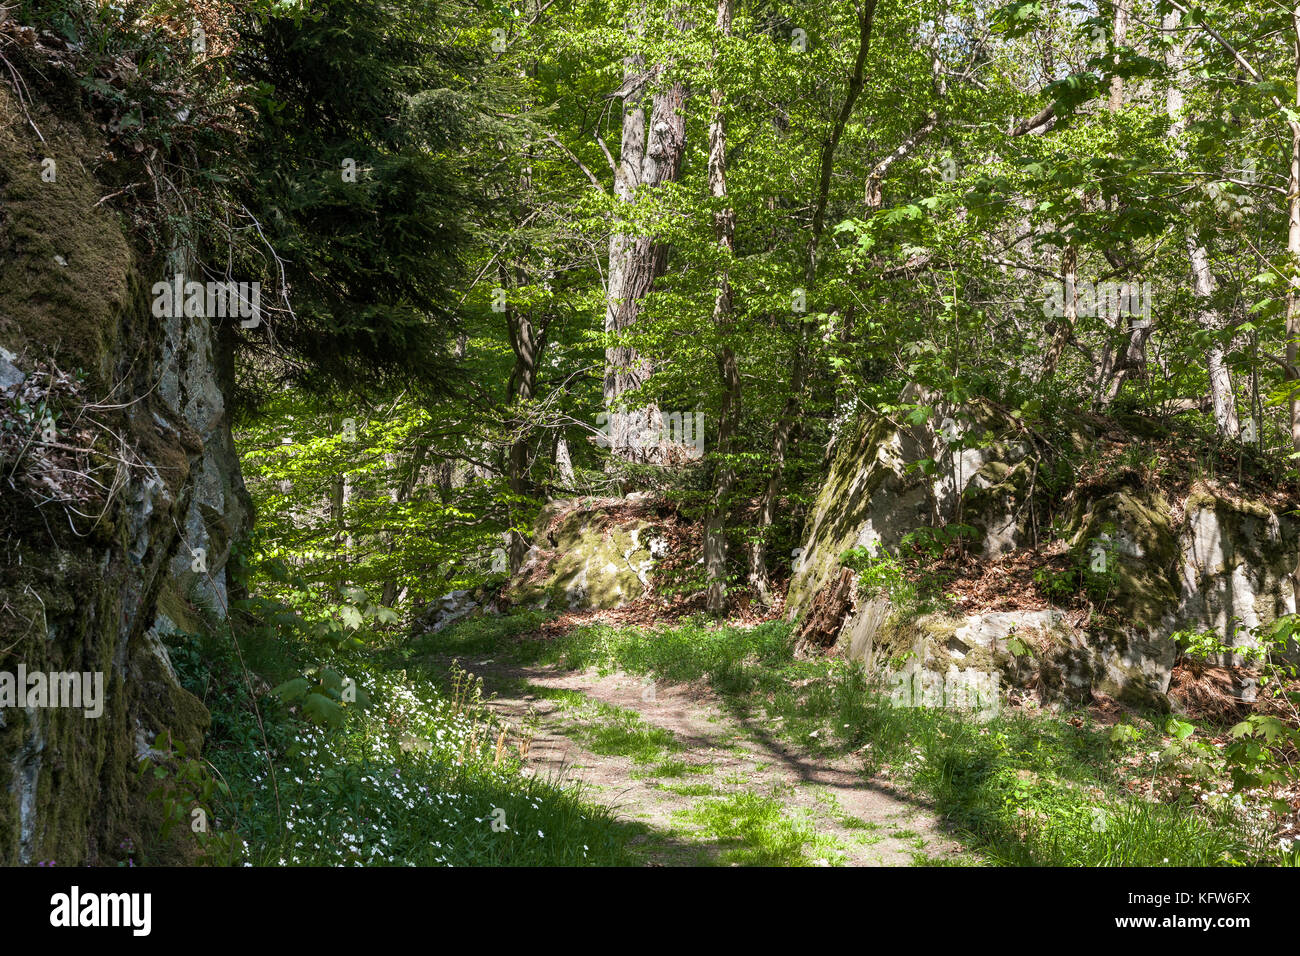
x=832, y=604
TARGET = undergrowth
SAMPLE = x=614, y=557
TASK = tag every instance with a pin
x=423, y=776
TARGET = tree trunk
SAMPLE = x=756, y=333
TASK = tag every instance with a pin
x=1132, y=363
x=715, y=521
x=1119, y=365
x=1203, y=284
x=405, y=488
x=647, y=158
x=1221, y=393
x=1293, y=286
x=1069, y=313
x=526, y=343
x=1119, y=34
x=564, y=463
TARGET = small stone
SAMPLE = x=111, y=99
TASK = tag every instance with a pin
x=10, y=374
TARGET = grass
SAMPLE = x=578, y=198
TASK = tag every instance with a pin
x=753, y=830
x=616, y=732
x=680, y=768
x=1021, y=789
x=505, y=635
x=690, y=789
x=831, y=804
x=854, y=823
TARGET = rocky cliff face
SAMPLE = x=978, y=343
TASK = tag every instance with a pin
x=1200, y=559
x=120, y=497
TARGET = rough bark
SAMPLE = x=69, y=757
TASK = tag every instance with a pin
x=526, y=341
x=1070, y=313
x=1293, y=287
x=1203, y=284
x=402, y=492
x=648, y=158
x=1119, y=34
x=831, y=605
x=1118, y=365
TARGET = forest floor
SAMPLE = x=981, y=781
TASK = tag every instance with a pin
x=701, y=785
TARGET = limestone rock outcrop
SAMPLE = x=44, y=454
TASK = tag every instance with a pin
x=1200, y=560
x=589, y=553
x=121, y=501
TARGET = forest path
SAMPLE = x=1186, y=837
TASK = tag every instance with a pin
x=708, y=787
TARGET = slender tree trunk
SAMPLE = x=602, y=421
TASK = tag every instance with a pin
x=526, y=342
x=715, y=521
x=874, y=196
x=1134, y=360
x=1293, y=286
x=1069, y=313
x=1119, y=33
x=338, y=499
x=1203, y=285
x=405, y=488
x=631, y=152
x=1129, y=360
x=564, y=462
x=1221, y=392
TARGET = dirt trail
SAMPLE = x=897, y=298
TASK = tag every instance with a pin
x=711, y=758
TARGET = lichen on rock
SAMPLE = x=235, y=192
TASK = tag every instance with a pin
x=1151, y=566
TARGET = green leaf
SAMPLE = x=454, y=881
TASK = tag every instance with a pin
x=322, y=710
x=292, y=689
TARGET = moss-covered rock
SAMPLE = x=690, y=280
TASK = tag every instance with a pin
x=1236, y=558
x=996, y=502
x=86, y=565
x=1129, y=543
x=888, y=478
x=1146, y=567
x=594, y=553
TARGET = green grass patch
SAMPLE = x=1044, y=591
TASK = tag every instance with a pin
x=616, y=732
x=755, y=831
x=415, y=779
x=690, y=789
x=680, y=768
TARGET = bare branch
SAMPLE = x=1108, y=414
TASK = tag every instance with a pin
x=577, y=162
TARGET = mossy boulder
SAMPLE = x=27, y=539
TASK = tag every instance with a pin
x=1236, y=559
x=996, y=502
x=889, y=477
x=1128, y=541
x=588, y=554
x=1034, y=651
x=1143, y=563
